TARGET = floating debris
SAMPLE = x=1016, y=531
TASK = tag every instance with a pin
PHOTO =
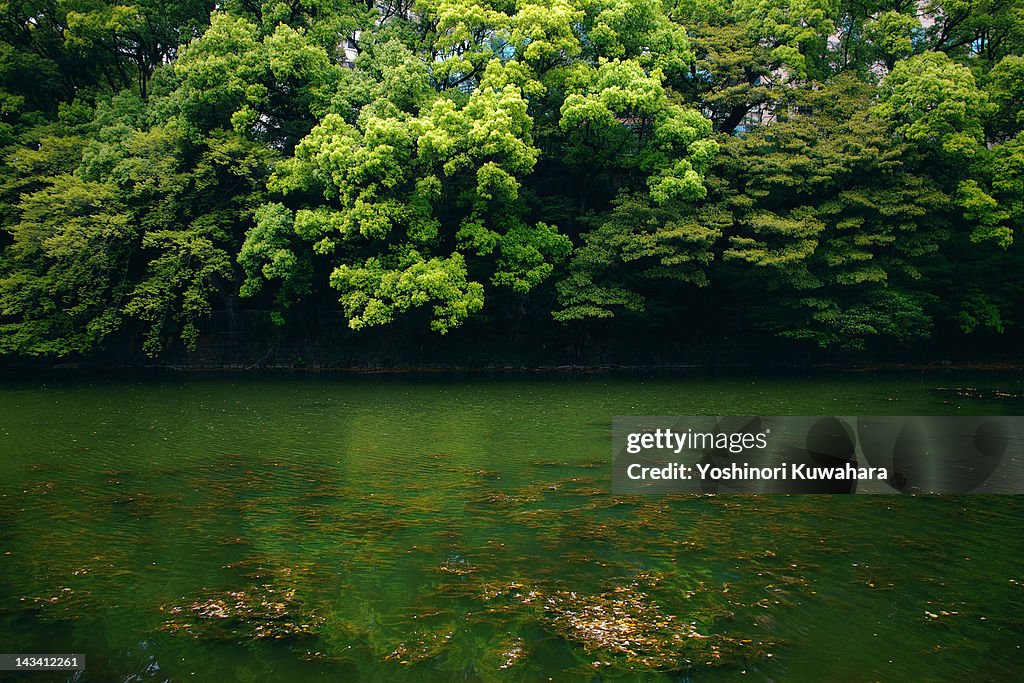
x=65, y=603
x=457, y=564
x=421, y=647
x=261, y=611
x=509, y=597
x=627, y=623
x=987, y=394
x=513, y=653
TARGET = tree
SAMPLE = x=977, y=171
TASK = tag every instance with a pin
x=410, y=205
x=832, y=224
x=747, y=51
x=62, y=284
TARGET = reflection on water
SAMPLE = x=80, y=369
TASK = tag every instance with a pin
x=460, y=528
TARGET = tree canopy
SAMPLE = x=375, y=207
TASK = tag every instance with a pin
x=839, y=174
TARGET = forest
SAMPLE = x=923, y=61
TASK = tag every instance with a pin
x=840, y=175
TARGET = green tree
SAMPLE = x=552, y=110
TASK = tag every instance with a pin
x=748, y=51
x=410, y=206
x=63, y=278
x=831, y=224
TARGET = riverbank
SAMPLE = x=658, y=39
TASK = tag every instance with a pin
x=22, y=365
x=598, y=347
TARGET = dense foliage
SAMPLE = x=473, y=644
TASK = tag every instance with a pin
x=843, y=173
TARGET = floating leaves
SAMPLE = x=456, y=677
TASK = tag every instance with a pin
x=63, y=603
x=261, y=611
x=421, y=647
x=979, y=393
x=627, y=623
x=513, y=653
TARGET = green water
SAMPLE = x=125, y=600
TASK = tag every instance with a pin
x=459, y=528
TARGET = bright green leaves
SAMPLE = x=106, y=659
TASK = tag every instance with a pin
x=615, y=88
x=373, y=292
x=548, y=38
x=293, y=59
x=493, y=182
x=1008, y=179
x=89, y=23
x=406, y=205
x=223, y=75
x=544, y=155
x=996, y=209
x=493, y=126
x=420, y=184
x=324, y=21
x=639, y=30
x=390, y=172
x=467, y=36
x=390, y=80
x=1005, y=88
x=541, y=33
x=619, y=117
x=266, y=86
x=268, y=252
x=679, y=182
x=63, y=283
x=933, y=102
x=984, y=211
x=529, y=255
x=788, y=27
x=892, y=35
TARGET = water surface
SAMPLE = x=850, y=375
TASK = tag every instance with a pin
x=460, y=527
